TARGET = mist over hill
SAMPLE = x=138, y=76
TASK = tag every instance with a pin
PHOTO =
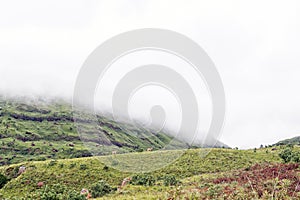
x=40, y=129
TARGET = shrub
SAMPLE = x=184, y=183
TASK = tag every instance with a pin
x=83, y=167
x=3, y=180
x=143, y=179
x=52, y=163
x=289, y=156
x=57, y=192
x=12, y=172
x=296, y=157
x=114, y=162
x=100, y=189
x=286, y=155
x=73, y=195
x=72, y=165
x=170, y=180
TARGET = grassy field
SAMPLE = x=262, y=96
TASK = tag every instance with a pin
x=80, y=173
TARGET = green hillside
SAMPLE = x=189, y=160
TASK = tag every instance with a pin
x=291, y=141
x=41, y=136
x=40, y=130
x=79, y=173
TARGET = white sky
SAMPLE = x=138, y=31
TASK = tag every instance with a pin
x=254, y=44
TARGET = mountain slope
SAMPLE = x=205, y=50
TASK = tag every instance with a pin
x=43, y=130
x=291, y=141
x=40, y=130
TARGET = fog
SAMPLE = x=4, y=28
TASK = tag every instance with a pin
x=254, y=46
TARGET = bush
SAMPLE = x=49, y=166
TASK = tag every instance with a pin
x=83, y=167
x=100, y=189
x=12, y=172
x=170, y=180
x=73, y=195
x=3, y=180
x=143, y=179
x=72, y=165
x=57, y=192
x=289, y=156
x=296, y=157
x=105, y=168
x=52, y=163
x=286, y=155
x=114, y=162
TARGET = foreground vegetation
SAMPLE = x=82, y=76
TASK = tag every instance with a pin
x=172, y=180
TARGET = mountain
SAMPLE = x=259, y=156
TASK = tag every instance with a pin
x=291, y=141
x=44, y=129
x=40, y=130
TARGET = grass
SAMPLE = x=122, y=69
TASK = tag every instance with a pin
x=70, y=172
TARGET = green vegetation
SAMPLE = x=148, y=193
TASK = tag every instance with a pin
x=38, y=131
x=41, y=139
x=143, y=179
x=290, y=155
x=170, y=180
x=3, y=180
x=55, y=192
x=101, y=188
x=68, y=172
x=291, y=141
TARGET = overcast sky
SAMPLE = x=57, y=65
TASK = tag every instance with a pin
x=254, y=45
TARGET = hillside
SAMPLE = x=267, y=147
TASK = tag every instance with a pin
x=291, y=141
x=41, y=136
x=43, y=130
x=40, y=130
x=83, y=172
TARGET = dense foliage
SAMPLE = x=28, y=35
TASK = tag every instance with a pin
x=55, y=192
x=3, y=180
x=170, y=180
x=101, y=188
x=289, y=155
x=143, y=179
